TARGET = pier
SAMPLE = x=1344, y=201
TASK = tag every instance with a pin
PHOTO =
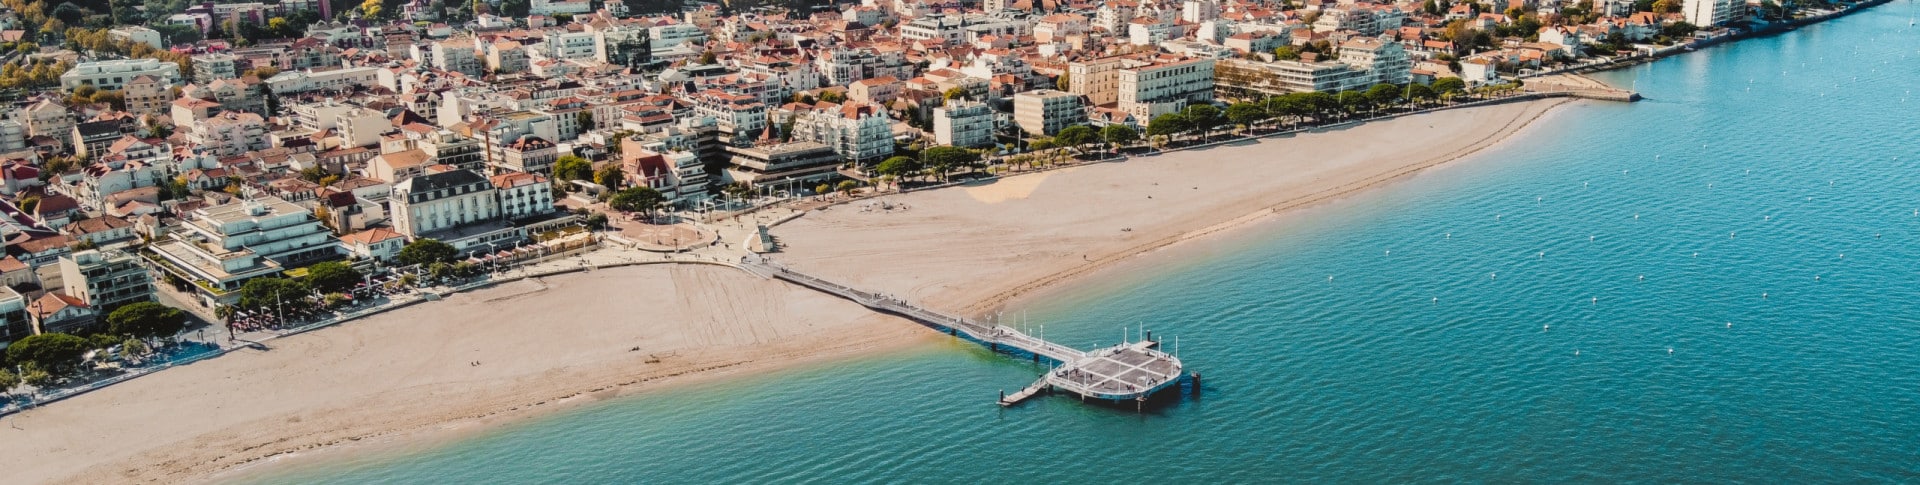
x=1129, y=371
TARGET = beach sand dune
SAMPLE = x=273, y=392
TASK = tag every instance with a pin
x=536, y=343
x=970, y=249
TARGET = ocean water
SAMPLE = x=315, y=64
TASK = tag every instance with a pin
x=1718, y=284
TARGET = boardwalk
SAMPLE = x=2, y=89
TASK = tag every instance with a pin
x=1127, y=371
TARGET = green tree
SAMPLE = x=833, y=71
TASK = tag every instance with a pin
x=847, y=187
x=1204, y=117
x=35, y=376
x=1420, y=93
x=1246, y=113
x=1287, y=53
x=637, y=199
x=1119, y=135
x=1383, y=94
x=333, y=277
x=835, y=97
x=272, y=293
x=955, y=93
x=610, y=176
x=146, y=320
x=1168, y=125
x=1352, y=101
x=898, y=167
x=585, y=119
x=427, y=251
x=1062, y=82
x=571, y=167
x=8, y=381
x=1447, y=86
x=1077, y=136
x=134, y=349
x=943, y=160
x=57, y=353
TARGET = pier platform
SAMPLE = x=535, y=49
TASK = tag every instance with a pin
x=1129, y=371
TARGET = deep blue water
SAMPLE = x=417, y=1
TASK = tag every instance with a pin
x=1751, y=170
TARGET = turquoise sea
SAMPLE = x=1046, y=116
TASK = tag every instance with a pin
x=1718, y=284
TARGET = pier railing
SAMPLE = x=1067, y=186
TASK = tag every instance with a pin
x=991, y=334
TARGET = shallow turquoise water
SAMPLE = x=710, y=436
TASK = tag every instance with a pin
x=1369, y=378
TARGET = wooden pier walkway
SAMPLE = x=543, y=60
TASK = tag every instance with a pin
x=1126, y=371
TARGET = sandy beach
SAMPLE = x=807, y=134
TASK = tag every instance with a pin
x=542, y=345
x=972, y=248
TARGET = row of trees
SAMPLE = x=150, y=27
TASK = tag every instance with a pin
x=1300, y=106
x=47, y=358
x=939, y=162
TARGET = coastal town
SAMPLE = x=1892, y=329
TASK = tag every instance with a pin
x=183, y=180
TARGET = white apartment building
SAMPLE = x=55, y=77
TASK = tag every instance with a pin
x=138, y=35
x=106, y=279
x=672, y=35
x=523, y=195
x=361, y=127
x=214, y=65
x=741, y=116
x=1046, y=111
x=562, y=44
x=1197, y=11
x=220, y=248
x=955, y=29
x=443, y=200
x=1384, y=59
x=1165, y=87
x=114, y=74
x=1712, y=13
x=963, y=124
x=332, y=79
x=456, y=55
x=860, y=133
x=230, y=133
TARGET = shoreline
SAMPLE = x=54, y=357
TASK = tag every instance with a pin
x=242, y=447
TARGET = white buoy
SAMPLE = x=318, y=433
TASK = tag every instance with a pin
x=1589, y=238
x=1729, y=324
x=1763, y=296
x=1596, y=301
x=1583, y=185
x=1329, y=278
x=1436, y=299
x=1636, y=216
x=1843, y=255
x=1731, y=235
x=1389, y=252
x=1696, y=254
x=1543, y=255
x=1816, y=277
x=1769, y=218
x=1493, y=276
x=1449, y=235
x=1497, y=216
x=1643, y=277
x=1576, y=352
x=1669, y=350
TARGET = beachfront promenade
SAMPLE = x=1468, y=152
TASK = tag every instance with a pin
x=1129, y=371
